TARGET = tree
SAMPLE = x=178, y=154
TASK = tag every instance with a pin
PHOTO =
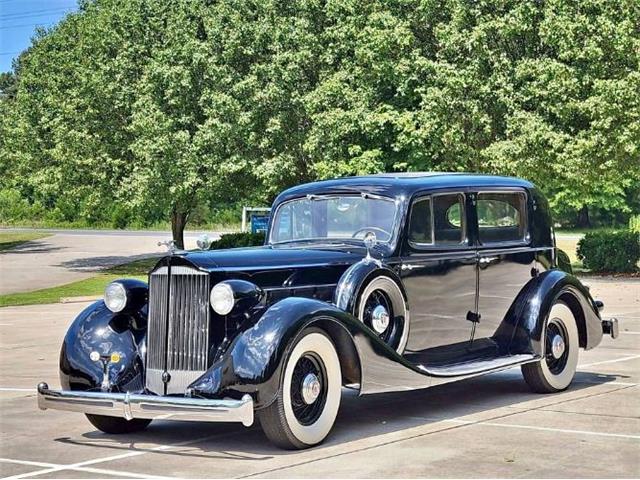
x=153, y=107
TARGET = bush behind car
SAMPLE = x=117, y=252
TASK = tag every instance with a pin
x=238, y=239
x=610, y=251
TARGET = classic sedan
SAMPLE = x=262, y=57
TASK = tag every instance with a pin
x=377, y=283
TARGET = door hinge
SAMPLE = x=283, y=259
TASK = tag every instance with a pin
x=473, y=317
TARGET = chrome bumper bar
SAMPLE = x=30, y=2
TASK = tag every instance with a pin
x=610, y=327
x=131, y=406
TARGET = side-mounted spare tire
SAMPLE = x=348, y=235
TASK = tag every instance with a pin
x=382, y=307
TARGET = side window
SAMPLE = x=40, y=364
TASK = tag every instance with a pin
x=438, y=220
x=420, y=222
x=501, y=217
x=448, y=219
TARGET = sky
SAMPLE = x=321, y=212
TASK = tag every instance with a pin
x=20, y=18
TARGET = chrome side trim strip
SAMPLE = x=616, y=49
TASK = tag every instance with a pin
x=129, y=406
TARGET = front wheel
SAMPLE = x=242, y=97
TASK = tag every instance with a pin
x=308, y=399
x=117, y=425
x=557, y=368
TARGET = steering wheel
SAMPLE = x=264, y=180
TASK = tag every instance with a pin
x=369, y=229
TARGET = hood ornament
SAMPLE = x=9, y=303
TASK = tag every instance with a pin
x=170, y=244
x=203, y=242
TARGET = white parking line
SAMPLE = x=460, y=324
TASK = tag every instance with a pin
x=59, y=467
x=623, y=359
x=84, y=465
x=547, y=429
x=604, y=382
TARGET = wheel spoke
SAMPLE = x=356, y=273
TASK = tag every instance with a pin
x=308, y=413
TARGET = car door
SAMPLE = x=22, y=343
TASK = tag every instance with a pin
x=438, y=270
x=505, y=260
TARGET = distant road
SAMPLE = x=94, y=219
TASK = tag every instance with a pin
x=70, y=255
x=118, y=233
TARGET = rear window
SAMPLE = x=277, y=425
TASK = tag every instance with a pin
x=501, y=217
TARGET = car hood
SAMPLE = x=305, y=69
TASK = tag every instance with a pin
x=269, y=257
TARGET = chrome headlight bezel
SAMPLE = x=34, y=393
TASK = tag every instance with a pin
x=222, y=298
x=234, y=297
x=115, y=297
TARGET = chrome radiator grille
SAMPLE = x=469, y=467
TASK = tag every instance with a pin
x=186, y=349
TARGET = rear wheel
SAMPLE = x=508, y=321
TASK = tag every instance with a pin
x=557, y=368
x=117, y=425
x=307, y=403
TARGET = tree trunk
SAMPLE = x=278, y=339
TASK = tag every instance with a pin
x=583, y=217
x=178, y=222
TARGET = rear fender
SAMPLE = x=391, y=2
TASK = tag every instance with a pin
x=525, y=321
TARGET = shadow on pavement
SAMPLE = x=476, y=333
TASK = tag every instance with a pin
x=359, y=418
x=32, y=246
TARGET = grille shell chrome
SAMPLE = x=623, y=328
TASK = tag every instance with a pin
x=186, y=351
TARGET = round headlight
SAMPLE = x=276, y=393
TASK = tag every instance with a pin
x=115, y=297
x=222, y=298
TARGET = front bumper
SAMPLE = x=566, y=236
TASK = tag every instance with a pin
x=610, y=327
x=132, y=406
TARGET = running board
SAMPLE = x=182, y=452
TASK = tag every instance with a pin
x=480, y=366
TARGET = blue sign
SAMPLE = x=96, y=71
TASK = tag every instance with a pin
x=259, y=222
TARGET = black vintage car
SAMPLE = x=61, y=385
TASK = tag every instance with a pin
x=377, y=283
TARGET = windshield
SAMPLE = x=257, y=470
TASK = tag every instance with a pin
x=334, y=217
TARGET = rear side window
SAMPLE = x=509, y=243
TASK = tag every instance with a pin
x=501, y=217
x=438, y=220
x=420, y=228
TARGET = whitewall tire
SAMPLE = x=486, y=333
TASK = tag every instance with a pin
x=383, y=309
x=308, y=400
x=560, y=345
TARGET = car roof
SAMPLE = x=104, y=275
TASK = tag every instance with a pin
x=402, y=184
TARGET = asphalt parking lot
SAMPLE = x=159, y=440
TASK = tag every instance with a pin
x=489, y=426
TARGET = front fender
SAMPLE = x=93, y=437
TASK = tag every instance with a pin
x=96, y=328
x=525, y=322
x=255, y=360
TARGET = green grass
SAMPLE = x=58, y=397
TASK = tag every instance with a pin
x=569, y=246
x=10, y=240
x=158, y=226
x=93, y=286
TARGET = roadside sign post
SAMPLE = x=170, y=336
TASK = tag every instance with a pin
x=259, y=220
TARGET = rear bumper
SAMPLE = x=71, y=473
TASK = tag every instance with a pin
x=132, y=406
x=610, y=327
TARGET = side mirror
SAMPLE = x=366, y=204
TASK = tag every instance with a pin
x=370, y=241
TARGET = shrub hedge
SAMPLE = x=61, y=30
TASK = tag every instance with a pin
x=240, y=239
x=610, y=251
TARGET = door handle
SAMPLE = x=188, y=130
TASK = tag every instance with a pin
x=488, y=260
x=409, y=266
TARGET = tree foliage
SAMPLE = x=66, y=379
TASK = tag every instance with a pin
x=150, y=108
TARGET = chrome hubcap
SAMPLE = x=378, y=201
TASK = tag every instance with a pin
x=557, y=346
x=310, y=388
x=380, y=319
